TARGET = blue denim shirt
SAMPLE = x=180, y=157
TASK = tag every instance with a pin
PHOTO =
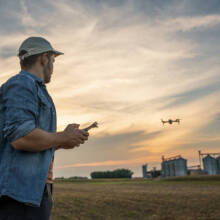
x=24, y=105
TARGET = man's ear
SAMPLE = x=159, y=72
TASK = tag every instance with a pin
x=43, y=59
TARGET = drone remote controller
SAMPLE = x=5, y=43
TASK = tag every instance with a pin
x=93, y=125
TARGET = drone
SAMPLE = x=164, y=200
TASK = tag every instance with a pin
x=170, y=121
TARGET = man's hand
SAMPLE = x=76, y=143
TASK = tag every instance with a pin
x=73, y=136
x=39, y=140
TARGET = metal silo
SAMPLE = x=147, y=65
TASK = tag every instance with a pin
x=172, y=167
x=210, y=165
x=180, y=167
x=218, y=164
x=144, y=170
x=165, y=169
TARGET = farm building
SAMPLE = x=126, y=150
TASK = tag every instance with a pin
x=210, y=165
x=174, y=166
x=195, y=170
x=148, y=174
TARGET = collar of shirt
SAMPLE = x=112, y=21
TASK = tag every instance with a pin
x=35, y=78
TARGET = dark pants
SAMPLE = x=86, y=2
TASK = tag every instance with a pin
x=13, y=210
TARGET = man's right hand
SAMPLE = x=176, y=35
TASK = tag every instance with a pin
x=73, y=136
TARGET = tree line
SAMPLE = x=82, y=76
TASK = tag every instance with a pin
x=119, y=173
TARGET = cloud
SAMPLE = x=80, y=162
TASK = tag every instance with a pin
x=8, y=18
x=106, y=147
x=127, y=64
x=211, y=129
x=192, y=8
x=192, y=95
x=98, y=164
x=190, y=23
x=7, y=52
x=26, y=18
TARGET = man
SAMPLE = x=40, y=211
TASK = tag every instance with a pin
x=28, y=135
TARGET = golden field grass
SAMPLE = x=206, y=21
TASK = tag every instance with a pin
x=188, y=198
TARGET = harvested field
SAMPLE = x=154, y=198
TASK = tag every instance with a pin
x=189, y=198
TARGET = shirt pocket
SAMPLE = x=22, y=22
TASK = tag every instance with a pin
x=45, y=111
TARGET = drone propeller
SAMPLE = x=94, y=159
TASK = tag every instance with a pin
x=178, y=120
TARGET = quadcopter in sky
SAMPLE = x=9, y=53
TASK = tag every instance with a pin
x=170, y=121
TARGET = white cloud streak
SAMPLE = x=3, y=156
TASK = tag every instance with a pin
x=190, y=23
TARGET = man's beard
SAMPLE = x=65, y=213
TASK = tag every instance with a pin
x=47, y=72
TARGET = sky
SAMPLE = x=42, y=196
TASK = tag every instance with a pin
x=127, y=64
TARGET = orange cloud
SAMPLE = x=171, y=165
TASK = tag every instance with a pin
x=110, y=163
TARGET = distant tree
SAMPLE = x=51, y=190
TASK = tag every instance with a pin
x=119, y=173
x=77, y=177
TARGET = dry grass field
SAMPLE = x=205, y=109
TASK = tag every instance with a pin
x=188, y=198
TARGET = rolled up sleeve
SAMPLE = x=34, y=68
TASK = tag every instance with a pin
x=21, y=108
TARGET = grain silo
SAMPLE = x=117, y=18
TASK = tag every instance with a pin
x=218, y=164
x=165, y=168
x=174, y=166
x=210, y=165
x=144, y=170
x=171, y=165
x=180, y=167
